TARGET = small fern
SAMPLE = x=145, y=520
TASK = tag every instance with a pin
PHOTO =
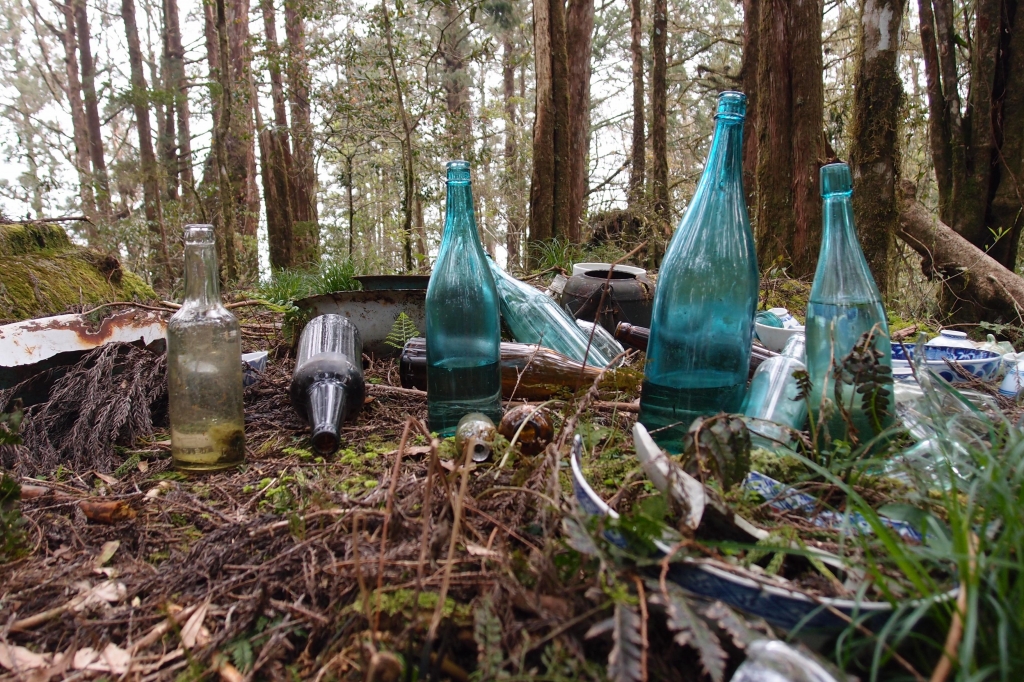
x=401, y=331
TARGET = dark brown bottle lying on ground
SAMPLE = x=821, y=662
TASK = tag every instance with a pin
x=327, y=386
x=528, y=372
x=632, y=336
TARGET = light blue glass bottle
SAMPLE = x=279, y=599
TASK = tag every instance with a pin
x=463, y=331
x=844, y=303
x=533, y=317
x=702, y=324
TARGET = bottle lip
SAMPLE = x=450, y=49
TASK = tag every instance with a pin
x=199, y=235
x=732, y=106
x=458, y=172
x=836, y=180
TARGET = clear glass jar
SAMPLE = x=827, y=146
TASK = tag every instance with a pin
x=204, y=367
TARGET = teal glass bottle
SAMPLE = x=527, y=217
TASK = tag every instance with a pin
x=533, y=317
x=463, y=328
x=844, y=303
x=702, y=323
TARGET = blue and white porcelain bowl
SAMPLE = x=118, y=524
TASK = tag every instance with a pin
x=982, y=364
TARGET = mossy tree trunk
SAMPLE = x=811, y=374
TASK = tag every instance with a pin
x=579, y=30
x=790, y=144
x=306, y=225
x=748, y=81
x=874, y=148
x=659, y=123
x=638, y=155
x=977, y=149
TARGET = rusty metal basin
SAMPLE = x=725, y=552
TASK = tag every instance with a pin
x=32, y=346
x=373, y=312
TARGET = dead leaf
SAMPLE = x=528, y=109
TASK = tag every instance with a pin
x=107, y=592
x=106, y=553
x=107, y=511
x=29, y=492
x=18, y=658
x=143, y=465
x=479, y=550
x=113, y=659
x=192, y=632
x=229, y=673
x=158, y=489
x=109, y=480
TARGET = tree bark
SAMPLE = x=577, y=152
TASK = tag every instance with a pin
x=638, y=152
x=874, y=148
x=790, y=145
x=978, y=282
x=1006, y=212
x=579, y=33
x=165, y=116
x=408, y=181
x=101, y=183
x=276, y=155
x=659, y=119
x=150, y=172
x=179, y=87
x=511, y=181
x=748, y=81
x=455, y=84
x=226, y=234
x=79, y=125
x=306, y=225
x=938, y=116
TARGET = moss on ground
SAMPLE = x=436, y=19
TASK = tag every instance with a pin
x=43, y=273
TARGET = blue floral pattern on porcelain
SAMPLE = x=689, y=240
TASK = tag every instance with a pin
x=982, y=364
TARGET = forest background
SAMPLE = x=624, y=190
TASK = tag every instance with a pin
x=317, y=130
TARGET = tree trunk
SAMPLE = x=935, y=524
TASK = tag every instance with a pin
x=977, y=154
x=659, y=121
x=226, y=234
x=277, y=163
x=79, y=125
x=510, y=181
x=165, y=116
x=1006, y=212
x=241, y=139
x=179, y=87
x=638, y=153
x=874, y=150
x=790, y=145
x=976, y=281
x=306, y=222
x=454, y=81
x=549, y=196
x=408, y=181
x=579, y=32
x=150, y=172
x=99, y=166
x=748, y=81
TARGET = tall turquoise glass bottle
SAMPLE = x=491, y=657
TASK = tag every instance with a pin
x=463, y=331
x=702, y=324
x=844, y=303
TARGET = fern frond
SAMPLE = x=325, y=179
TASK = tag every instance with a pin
x=401, y=331
x=690, y=629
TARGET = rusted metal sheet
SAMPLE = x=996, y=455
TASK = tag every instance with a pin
x=31, y=346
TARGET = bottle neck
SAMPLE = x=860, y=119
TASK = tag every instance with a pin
x=460, y=222
x=201, y=281
x=838, y=233
x=725, y=160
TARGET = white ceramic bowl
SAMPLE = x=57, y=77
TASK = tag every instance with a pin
x=583, y=268
x=775, y=338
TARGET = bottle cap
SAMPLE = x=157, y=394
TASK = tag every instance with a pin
x=732, y=104
x=836, y=179
x=326, y=412
x=199, y=234
x=458, y=171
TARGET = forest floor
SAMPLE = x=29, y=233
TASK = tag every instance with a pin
x=388, y=556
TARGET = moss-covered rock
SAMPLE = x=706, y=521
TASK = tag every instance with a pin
x=43, y=273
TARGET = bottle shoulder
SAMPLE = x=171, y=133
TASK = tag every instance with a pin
x=191, y=315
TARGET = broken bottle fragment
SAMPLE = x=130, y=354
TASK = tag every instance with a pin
x=204, y=367
x=772, y=397
x=327, y=386
x=476, y=431
x=533, y=317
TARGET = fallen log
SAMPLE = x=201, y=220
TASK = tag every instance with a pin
x=975, y=287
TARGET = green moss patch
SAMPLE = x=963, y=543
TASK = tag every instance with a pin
x=42, y=273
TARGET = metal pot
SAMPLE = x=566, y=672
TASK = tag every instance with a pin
x=628, y=297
